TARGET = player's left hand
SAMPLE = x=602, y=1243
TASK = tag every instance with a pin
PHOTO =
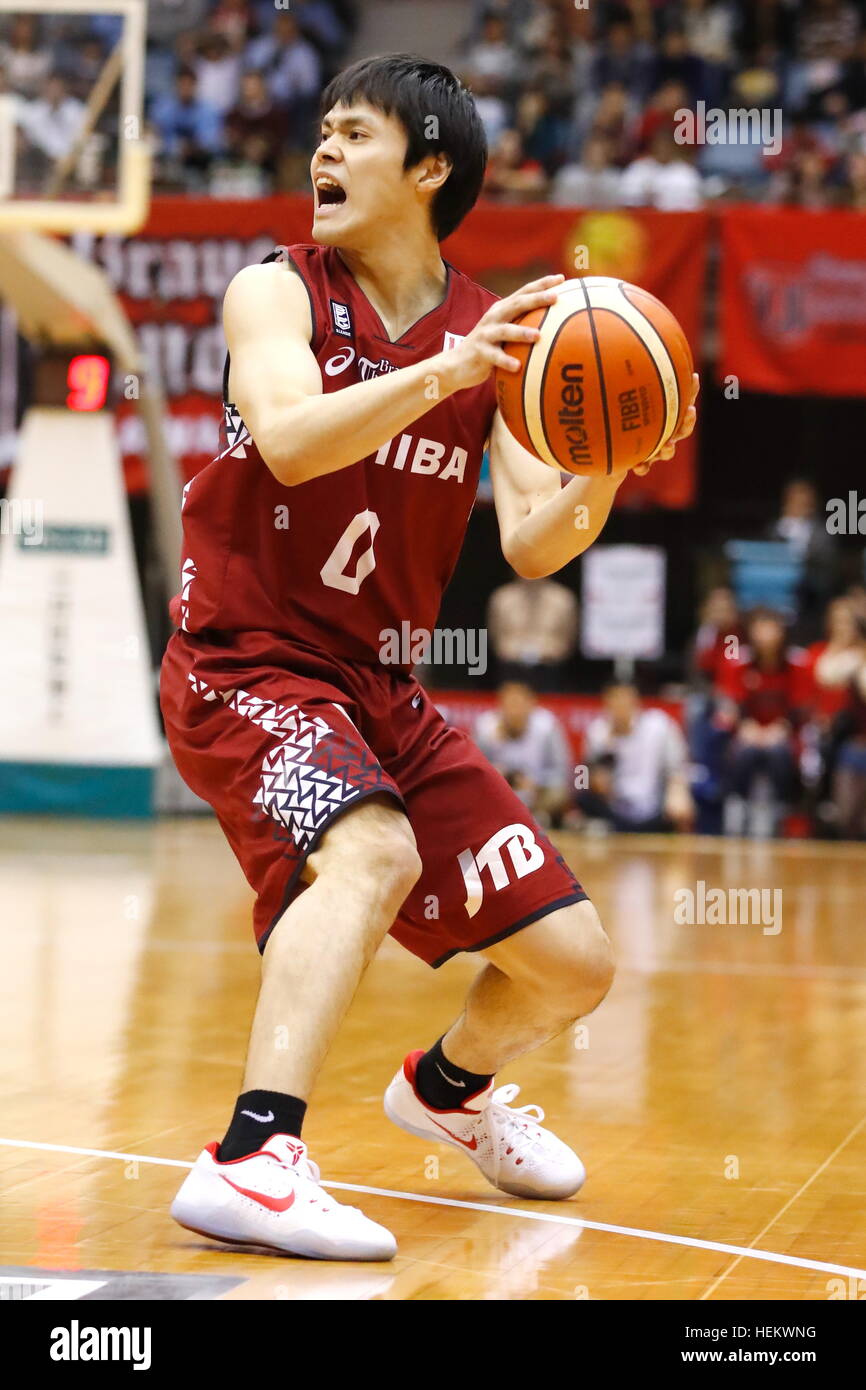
x=668, y=449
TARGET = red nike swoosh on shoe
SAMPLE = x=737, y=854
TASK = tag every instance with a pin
x=467, y=1144
x=271, y=1203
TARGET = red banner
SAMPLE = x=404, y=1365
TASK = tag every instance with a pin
x=173, y=274
x=793, y=301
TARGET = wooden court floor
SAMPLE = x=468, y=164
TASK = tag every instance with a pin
x=718, y=1096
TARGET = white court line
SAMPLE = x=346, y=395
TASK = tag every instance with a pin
x=52, y=1290
x=843, y=1143
x=634, y=1232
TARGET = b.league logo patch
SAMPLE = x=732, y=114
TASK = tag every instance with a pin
x=342, y=316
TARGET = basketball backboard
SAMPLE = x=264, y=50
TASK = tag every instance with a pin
x=73, y=150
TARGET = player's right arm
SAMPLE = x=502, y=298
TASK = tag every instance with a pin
x=276, y=384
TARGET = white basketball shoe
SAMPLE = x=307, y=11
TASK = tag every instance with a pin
x=273, y=1198
x=509, y=1146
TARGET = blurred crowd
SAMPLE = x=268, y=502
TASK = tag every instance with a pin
x=767, y=737
x=231, y=89
x=583, y=104
x=772, y=740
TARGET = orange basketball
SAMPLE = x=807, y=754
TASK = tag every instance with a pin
x=607, y=383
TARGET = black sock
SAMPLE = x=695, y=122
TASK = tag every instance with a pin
x=444, y=1085
x=258, y=1115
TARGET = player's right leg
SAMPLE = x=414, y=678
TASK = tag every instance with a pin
x=364, y=868
x=318, y=828
x=259, y=1186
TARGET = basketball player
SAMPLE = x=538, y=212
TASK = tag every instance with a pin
x=359, y=399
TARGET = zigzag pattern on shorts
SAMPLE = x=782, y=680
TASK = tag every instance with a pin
x=311, y=771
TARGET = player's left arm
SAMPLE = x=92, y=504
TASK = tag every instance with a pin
x=543, y=525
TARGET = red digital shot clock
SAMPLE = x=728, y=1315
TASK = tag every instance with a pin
x=79, y=380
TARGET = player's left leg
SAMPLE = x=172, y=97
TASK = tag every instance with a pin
x=536, y=984
x=492, y=883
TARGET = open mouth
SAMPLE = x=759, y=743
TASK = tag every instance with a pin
x=329, y=193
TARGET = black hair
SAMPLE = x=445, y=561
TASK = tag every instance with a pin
x=424, y=96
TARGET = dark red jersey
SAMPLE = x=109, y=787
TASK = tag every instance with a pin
x=336, y=562
x=766, y=696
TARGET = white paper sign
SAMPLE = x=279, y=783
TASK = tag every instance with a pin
x=623, y=607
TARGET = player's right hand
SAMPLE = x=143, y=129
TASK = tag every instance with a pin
x=483, y=348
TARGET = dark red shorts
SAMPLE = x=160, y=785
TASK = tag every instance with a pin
x=282, y=747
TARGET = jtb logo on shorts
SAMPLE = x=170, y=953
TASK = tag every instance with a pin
x=525, y=853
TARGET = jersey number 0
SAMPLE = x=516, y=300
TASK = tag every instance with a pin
x=333, y=571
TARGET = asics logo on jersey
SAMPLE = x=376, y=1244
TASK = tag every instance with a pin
x=525, y=855
x=340, y=361
x=367, y=368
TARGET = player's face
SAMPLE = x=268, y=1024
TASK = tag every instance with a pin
x=358, y=176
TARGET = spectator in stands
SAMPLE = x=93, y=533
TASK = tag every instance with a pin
x=854, y=76
x=741, y=166
x=511, y=177
x=849, y=777
x=856, y=596
x=805, y=181
x=24, y=57
x=218, y=73
x=493, y=57
x=674, y=61
x=762, y=702
x=533, y=631
x=831, y=664
x=320, y=24
x=291, y=64
x=826, y=36
x=52, y=122
x=80, y=65
x=235, y=21
x=663, y=179
x=804, y=528
x=613, y=116
x=662, y=112
x=830, y=668
x=545, y=106
x=620, y=57
x=594, y=182
x=189, y=129
x=765, y=26
x=718, y=639
x=638, y=767
x=529, y=746
x=538, y=22
x=256, y=116
x=709, y=29
x=168, y=19
x=491, y=108
x=758, y=82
